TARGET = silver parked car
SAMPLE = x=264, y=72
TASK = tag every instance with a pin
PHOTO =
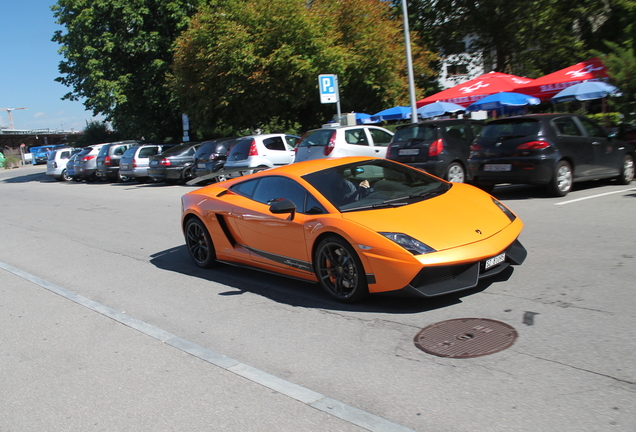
x=86, y=163
x=259, y=152
x=343, y=141
x=135, y=161
x=56, y=164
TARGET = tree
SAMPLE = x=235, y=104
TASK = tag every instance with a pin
x=523, y=37
x=244, y=64
x=96, y=132
x=116, y=57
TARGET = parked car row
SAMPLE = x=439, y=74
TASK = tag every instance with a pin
x=555, y=150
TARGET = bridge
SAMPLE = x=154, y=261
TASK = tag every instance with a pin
x=14, y=138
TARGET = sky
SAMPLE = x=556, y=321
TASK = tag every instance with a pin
x=28, y=68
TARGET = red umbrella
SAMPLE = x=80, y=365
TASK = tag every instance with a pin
x=471, y=91
x=549, y=85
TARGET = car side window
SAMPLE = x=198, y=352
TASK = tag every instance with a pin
x=274, y=143
x=292, y=140
x=356, y=137
x=273, y=188
x=380, y=138
x=148, y=151
x=567, y=126
x=457, y=131
x=477, y=128
x=592, y=128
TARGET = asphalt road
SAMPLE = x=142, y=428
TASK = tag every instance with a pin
x=106, y=325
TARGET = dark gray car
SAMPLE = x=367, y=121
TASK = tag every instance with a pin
x=555, y=150
x=439, y=147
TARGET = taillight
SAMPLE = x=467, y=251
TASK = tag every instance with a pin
x=388, y=149
x=87, y=158
x=331, y=144
x=476, y=148
x=107, y=160
x=134, y=163
x=436, y=147
x=165, y=162
x=253, y=151
x=54, y=164
x=533, y=145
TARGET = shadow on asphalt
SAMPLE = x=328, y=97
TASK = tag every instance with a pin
x=304, y=294
x=524, y=192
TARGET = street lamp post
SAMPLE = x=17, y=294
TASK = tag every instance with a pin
x=409, y=62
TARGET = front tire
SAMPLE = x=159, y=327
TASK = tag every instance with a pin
x=627, y=171
x=199, y=243
x=561, y=182
x=456, y=173
x=340, y=271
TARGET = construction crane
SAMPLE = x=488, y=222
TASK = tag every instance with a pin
x=8, y=110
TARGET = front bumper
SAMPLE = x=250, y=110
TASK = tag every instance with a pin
x=433, y=281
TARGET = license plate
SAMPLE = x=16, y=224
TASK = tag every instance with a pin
x=124, y=167
x=154, y=163
x=495, y=260
x=408, y=152
x=497, y=167
x=201, y=166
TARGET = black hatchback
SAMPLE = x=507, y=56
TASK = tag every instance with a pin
x=439, y=147
x=555, y=150
x=211, y=156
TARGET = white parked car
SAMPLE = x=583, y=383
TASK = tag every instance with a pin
x=258, y=152
x=56, y=163
x=343, y=141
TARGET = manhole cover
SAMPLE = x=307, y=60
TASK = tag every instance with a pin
x=465, y=337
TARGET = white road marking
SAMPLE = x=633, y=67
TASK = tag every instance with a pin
x=594, y=196
x=304, y=395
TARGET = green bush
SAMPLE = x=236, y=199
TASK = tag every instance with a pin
x=11, y=161
x=613, y=118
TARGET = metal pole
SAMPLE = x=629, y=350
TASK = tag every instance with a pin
x=338, y=100
x=409, y=62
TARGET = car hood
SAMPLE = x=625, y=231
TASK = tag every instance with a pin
x=461, y=216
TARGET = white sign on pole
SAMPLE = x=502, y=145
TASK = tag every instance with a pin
x=328, y=85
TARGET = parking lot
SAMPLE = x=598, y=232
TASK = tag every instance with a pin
x=108, y=325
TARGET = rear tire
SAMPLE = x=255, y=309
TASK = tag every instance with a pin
x=456, y=173
x=562, y=180
x=199, y=243
x=65, y=176
x=340, y=271
x=627, y=171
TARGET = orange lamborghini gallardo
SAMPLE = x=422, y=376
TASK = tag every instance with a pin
x=356, y=226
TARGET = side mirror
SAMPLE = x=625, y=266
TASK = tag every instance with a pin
x=282, y=206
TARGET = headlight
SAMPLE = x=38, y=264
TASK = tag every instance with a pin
x=505, y=209
x=412, y=245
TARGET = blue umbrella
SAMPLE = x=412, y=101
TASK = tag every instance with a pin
x=362, y=118
x=395, y=113
x=503, y=99
x=439, y=108
x=587, y=90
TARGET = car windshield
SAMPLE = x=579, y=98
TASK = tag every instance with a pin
x=375, y=184
x=419, y=132
x=511, y=129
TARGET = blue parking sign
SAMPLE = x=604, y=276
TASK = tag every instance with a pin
x=328, y=86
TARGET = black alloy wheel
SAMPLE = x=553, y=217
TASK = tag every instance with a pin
x=340, y=271
x=199, y=243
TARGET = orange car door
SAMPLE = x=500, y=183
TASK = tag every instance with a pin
x=274, y=239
